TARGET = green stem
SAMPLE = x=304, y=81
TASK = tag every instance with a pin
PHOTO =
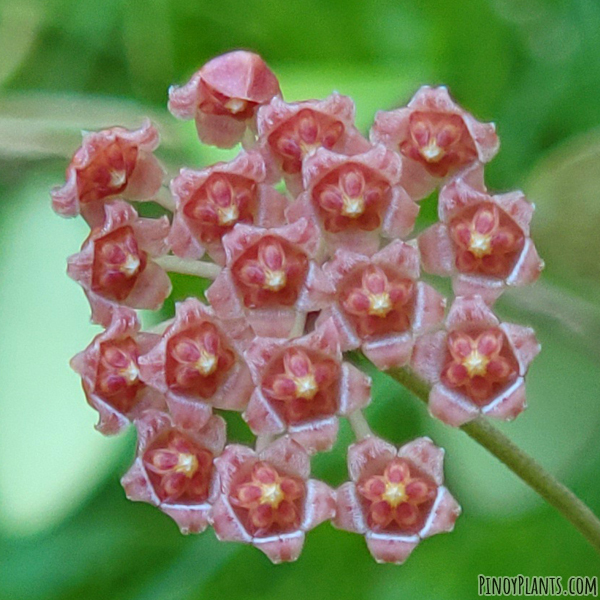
x=519, y=462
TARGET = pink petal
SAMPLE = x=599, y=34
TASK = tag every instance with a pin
x=233, y=457
x=181, y=240
x=528, y=267
x=437, y=251
x=450, y=407
x=355, y=389
x=226, y=524
x=213, y=436
x=429, y=308
x=271, y=207
x=283, y=548
x=457, y=195
x=316, y=436
x=444, y=513
x=272, y=322
x=235, y=392
x=489, y=289
x=470, y=311
x=426, y=456
x=367, y=455
x=189, y=518
x=261, y=417
x=524, y=344
x=317, y=292
x=399, y=219
x=146, y=179
x=390, y=549
x=349, y=515
x=187, y=413
x=390, y=351
x=151, y=235
x=222, y=131
x=508, y=405
x=287, y=456
x=429, y=355
x=403, y=256
x=320, y=504
x=223, y=297
x=151, y=289
x=137, y=485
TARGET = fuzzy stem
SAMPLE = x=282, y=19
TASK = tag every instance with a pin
x=359, y=425
x=163, y=198
x=262, y=441
x=199, y=268
x=299, y=325
x=519, y=462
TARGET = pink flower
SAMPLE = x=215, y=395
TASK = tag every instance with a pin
x=290, y=132
x=435, y=136
x=301, y=387
x=396, y=497
x=109, y=370
x=197, y=364
x=482, y=241
x=211, y=201
x=270, y=276
x=380, y=306
x=174, y=468
x=355, y=199
x=224, y=95
x=476, y=365
x=109, y=163
x=268, y=500
x=115, y=265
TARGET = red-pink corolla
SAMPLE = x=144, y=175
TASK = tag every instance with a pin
x=267, y=499
x=396, y=497
x=476, y=365
x=301, y=387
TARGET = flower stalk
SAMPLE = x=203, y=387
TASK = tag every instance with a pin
x=174, y=264
x=519, y=462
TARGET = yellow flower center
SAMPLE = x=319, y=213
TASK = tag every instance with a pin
x=353, y=207
x=432, y=152
x=480, y=244
x=130, y=373
x=275, y=280
x=187, y=464
x=476, y=363
x=379, y=304
x=395, y=493
x=228, y=216
x=131, y=265
x=235, y=105
x=207, y=363
x=271, y=494
x=306, y=387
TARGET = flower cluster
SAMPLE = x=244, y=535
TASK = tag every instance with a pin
x=300, y=277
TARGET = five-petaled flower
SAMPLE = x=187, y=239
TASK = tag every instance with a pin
x=396, y=497
x=435, y=137
x=268, y=500
x=211, y=201
x=380, y=305
x=174, y=468
x=198, y=365
x=477, y=364
x=115, y=265
x=270, y=277
x=109, y=369
x=301, y=387
x=481, y=241
x=288, y=133
x=224, y=95
x=355, y=198
x=110, y=163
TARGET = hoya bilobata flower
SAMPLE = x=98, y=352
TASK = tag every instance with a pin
x=477, y=365
x=380, y=305
x=174, y=468
x=115, y=265
x=109, y=369
x=482, y=241
x=211, y=201
x=197, y=364
x=290, y=132
x=268, y=500
x=396, y=497
x=270, y=277
x=110, y=163
x=435, y=137
x=301, y=387
x=224, y=95
x=355, y=199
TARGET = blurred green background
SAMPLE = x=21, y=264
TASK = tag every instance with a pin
x=66, y=530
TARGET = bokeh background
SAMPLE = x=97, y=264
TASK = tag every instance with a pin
x=66, y=530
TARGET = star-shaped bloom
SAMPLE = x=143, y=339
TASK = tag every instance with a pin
x=396, y=497
x=476, y=364
x=268, y=500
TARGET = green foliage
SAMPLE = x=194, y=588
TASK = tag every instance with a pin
x=66, y=530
